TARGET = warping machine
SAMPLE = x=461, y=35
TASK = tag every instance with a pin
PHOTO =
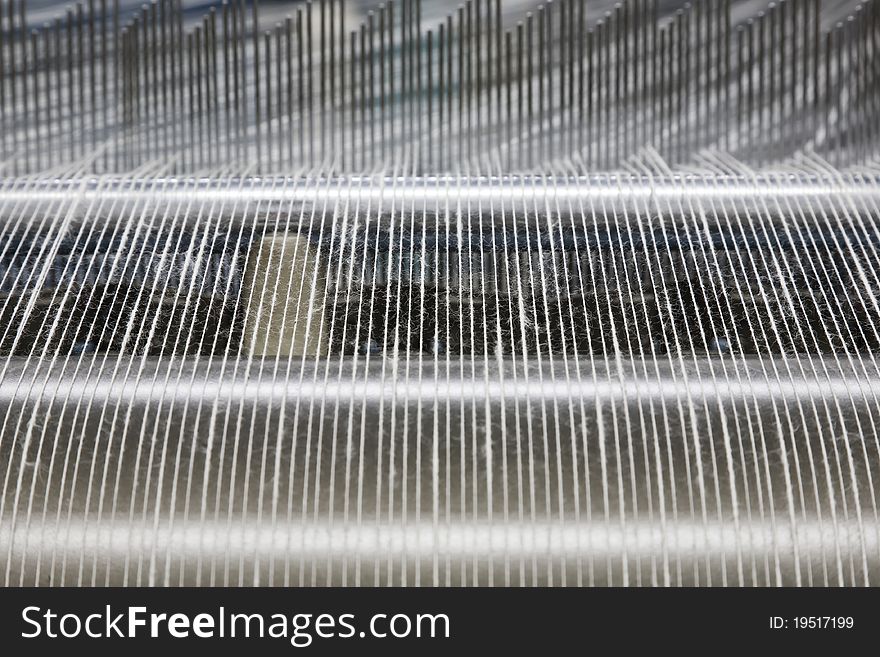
x=502, y=293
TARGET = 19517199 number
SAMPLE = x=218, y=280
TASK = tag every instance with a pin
x=822, y=622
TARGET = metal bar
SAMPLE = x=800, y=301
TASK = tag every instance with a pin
x=600, y=193
x=459, y=381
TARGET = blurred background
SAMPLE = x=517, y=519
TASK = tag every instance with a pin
x=433, y=11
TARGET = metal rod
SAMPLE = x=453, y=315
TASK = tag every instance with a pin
x=458, y=381
x=600, y=193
